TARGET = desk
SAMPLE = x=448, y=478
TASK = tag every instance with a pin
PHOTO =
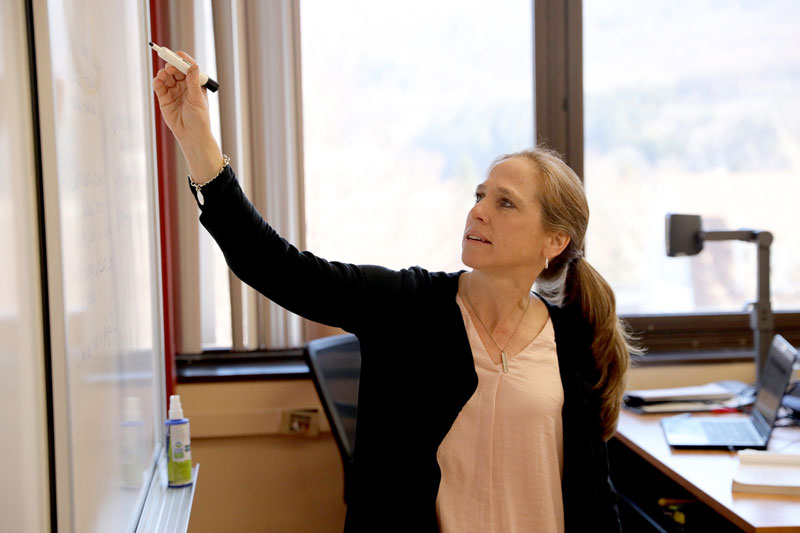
x=707, y=475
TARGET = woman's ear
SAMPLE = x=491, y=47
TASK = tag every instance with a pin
x=555, y=244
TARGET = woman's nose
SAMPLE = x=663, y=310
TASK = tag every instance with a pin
x=478, y=212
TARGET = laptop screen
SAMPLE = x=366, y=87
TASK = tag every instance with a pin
x=775, y=378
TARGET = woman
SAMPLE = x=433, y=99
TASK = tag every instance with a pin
x=482, y=406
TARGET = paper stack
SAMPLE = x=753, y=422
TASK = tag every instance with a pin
x=708, y=397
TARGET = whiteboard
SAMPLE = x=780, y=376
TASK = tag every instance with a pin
x=97, y=131
x=24, y=489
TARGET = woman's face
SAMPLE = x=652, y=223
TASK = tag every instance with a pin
x=504, y=228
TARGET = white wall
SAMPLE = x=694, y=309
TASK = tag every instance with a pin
x=24, y=485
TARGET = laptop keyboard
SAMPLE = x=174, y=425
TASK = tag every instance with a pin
x=730, y=432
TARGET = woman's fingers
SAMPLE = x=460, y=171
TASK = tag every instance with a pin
x=166, y=79
x=162, y=92
x=158, y=87
x=175, y=73
x=170, y=76
x=166, y=87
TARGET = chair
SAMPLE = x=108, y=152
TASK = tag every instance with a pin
x=335, y=364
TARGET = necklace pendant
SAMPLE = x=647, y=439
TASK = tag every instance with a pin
x=505, y=362
x=200, y=197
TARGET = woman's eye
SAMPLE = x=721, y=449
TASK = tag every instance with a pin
x=506, y=203
x=478, y=197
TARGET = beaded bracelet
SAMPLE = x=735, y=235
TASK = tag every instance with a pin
x=225, y=162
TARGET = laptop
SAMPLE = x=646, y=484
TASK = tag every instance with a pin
x=719, y=432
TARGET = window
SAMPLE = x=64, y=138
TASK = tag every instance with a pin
x=405, y=106
x=692, y=108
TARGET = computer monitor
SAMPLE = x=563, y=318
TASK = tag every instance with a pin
x=335, y=364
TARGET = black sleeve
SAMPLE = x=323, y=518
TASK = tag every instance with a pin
x=336, y=294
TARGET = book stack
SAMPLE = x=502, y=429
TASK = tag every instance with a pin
x=768, y=473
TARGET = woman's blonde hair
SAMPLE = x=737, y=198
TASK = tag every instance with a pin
x=569, y=278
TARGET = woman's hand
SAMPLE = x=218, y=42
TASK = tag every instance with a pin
x=183, y=103
x=184, y=106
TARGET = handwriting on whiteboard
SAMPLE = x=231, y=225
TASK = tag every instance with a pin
x=101, y=341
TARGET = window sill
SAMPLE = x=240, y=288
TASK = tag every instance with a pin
x=695, y=358
x=215, y=366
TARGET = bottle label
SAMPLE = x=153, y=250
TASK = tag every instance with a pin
x=179, y=455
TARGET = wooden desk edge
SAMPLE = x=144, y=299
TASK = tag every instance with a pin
x=709, y=500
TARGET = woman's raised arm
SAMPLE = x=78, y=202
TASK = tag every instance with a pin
x=336, y=294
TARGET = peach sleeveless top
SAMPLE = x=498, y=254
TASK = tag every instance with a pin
x=502, y=460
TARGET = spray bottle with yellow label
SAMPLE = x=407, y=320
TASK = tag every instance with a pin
x=179, y=448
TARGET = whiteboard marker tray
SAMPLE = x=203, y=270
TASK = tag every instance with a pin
x=167, y=509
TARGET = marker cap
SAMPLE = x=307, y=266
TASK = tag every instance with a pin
x=211, y=85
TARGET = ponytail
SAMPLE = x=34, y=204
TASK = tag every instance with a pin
x=612, y=343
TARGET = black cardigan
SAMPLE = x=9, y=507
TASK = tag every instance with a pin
x=407, y=321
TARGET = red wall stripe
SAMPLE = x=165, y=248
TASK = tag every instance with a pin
x=167, y=208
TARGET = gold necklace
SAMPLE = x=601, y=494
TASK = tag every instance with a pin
x=503, y=349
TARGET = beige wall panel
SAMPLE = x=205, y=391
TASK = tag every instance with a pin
x=254, y=479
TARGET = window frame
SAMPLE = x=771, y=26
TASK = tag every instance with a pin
x=558, y=111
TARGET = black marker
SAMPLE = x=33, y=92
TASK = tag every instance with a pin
x=181, y=64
